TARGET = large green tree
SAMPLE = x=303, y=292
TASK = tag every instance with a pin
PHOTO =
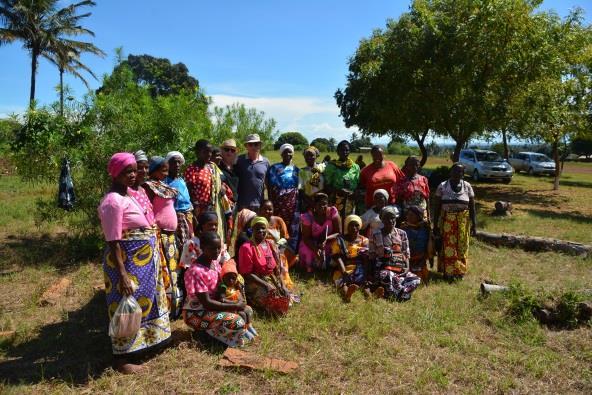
x=43, y=27
x=442, y=67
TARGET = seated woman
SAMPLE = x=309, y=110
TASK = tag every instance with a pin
x=317, y=225
x=420, y=241
x=130, y=264
x=201, y=311
x=278, y=233
x=349, y=256
x=258, y=264
x=389, y=250
x=371, y=218
x=163, y=199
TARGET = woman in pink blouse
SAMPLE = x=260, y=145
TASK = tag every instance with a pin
x=131, y=264
x=201, y=311
x=258, y=261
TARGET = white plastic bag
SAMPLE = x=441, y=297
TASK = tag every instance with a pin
x=127, y=318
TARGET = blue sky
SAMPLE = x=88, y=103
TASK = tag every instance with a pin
x=286, y=58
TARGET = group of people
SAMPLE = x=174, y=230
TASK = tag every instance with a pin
x=218, y=240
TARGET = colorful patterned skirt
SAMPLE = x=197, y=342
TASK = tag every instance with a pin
x=184, y=228
x=398, y=286
x=142, y=263
x=228, y=328
x=455, y=228
x=272, y=302
x=169, y=262
x=285, y=204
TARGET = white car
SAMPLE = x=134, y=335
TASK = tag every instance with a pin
x=483, y=164
x=533, y=163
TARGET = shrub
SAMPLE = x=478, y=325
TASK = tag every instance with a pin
x=296, y=139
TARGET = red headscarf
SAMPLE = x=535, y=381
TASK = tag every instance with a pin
x=118, y=162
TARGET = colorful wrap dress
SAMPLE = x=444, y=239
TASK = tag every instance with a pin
x=123, y=220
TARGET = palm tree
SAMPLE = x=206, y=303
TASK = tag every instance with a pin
x=39, y=24
x=65, y=54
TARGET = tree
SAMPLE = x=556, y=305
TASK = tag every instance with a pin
x=323, y=144
x=553, y=108
x=237, y=121
x=582, y=145
x=441, y=67
x=295, y=138
x=39, y=25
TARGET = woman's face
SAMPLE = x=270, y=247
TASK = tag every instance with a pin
x=142, y=167
x=457, y=173
x=353, y=228
x=343, y=151
x=210, y=226
x=388, y=220
x=310, y=158
x=205, y=154
x=287, y=156
x=379, y=201
x=267, y=210
x=174, y=165
x=377, y=156
x=259, y=232
x=162, y=172
x=212, y=250
x=411, y=217
x=127, y=177
x=411, y=167
x=320, y=206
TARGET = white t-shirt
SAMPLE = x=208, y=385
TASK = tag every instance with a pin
x=452, y=200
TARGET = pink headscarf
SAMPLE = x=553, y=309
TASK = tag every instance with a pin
x=118, y=162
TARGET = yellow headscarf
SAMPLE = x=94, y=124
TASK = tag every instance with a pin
x=349, y=219
x=259, y=220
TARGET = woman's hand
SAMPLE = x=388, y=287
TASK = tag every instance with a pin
x=127, y=287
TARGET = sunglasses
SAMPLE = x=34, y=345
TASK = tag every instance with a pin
x=230, y=150
x=252, y=144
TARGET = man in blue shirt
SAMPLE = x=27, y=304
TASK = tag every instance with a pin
x=251, y=169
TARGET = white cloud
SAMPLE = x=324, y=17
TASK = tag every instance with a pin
x=8, y=110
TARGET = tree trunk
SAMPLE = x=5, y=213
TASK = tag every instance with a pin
x=536, y=244
x=505, y=141
x=420, y=139
x=457, y=148
x=557, y=165
x=34, y=54
x=61, y=92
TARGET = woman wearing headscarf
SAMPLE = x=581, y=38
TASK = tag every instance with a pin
x=258, y=263
x=310, y=177
x=137, y=191
x=282, y=184
x=163, y=199
x=342, y=177
x=371, y=218
x=454, y=222
x=131, y=264
x=183, y=206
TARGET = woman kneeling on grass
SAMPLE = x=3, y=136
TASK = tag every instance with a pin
x=389, y=250
x=131, y=264
x=202, y=312
x=258, y=263
x=349, y=253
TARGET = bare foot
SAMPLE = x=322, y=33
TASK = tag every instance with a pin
x=350, y=291
x=379, y=292
x=367, y=293
x=127, y=368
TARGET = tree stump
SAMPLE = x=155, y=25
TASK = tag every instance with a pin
x=537, y=244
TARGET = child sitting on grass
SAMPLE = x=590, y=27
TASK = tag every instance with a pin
x=418, y=233
x=348, y=254
x=231, y=290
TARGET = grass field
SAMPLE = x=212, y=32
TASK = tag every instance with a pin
x=446, y=339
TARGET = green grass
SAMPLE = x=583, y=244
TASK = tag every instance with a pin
x=446, y=339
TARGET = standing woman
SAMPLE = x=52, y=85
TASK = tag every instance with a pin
x=163, y=199
x=320, y=221
x=258, y=263
x=380, y=174
x=131, y=264
x=204, y=180
x=310, y=177
x=282, y=184
x=137, y=191
x=454, y=222
x=342, y=177
x=413, y=189
x=183, y=206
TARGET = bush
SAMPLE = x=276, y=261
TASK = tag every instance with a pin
x=398, y=148
x=321, y=146
x=327, y=144
x=296, y=139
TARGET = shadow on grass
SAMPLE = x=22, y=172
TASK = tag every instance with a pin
x=570, y=216
x=515, y=195
x=580, y=184
x=62, y=252
x=73, y=350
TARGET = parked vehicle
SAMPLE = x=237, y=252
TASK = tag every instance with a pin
x=481, y=164
x=532, y=163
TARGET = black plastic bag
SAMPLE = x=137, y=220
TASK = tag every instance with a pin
x=66, y=196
